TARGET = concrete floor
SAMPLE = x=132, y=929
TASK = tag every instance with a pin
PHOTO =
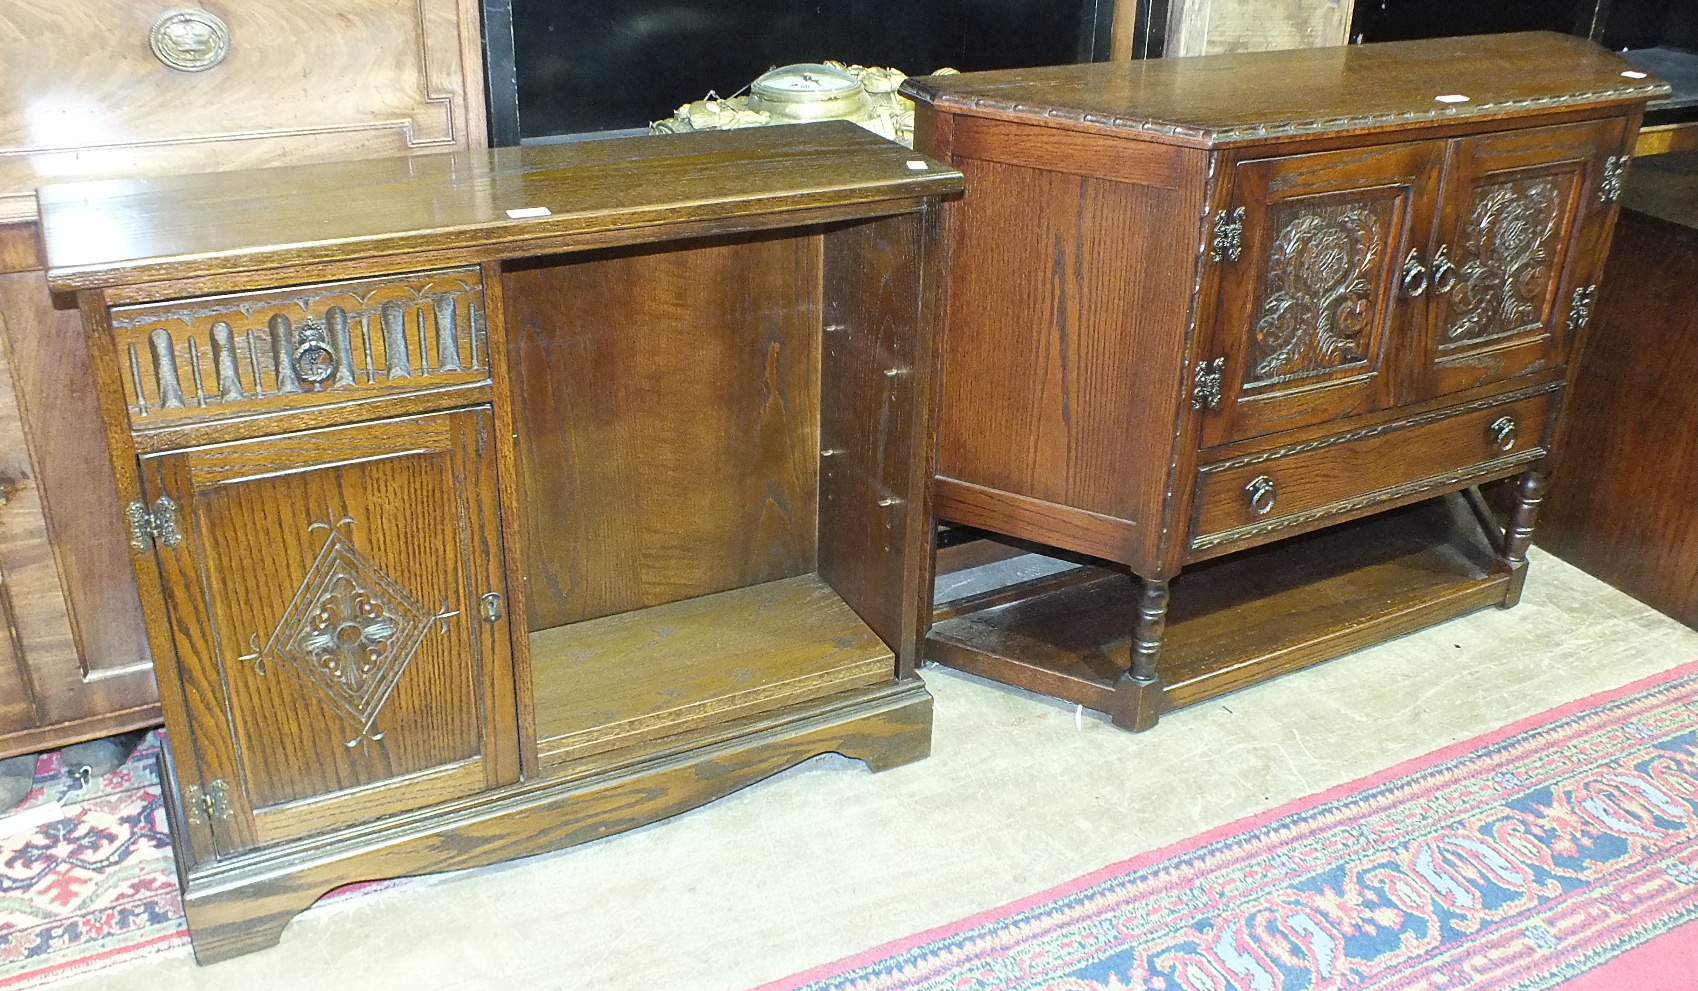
x=1020, y=794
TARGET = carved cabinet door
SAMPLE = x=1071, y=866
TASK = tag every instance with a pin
x=1314, y=291
x=335, y=598
x=1517, y=252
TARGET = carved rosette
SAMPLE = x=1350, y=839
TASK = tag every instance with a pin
x=350, y=633
x=1319, y=291
x=1506, y=265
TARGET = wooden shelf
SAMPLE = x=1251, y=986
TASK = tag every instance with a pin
x=1237, y=620
x=619, y=681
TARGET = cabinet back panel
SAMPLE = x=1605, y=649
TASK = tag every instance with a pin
x=667, y=407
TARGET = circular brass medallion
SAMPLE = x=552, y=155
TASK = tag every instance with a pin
x=190, y=40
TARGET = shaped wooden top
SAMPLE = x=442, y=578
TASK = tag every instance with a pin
x=570, y=195
x=1221, y=100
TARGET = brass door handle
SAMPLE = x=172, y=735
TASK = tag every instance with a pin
x=1262, y=492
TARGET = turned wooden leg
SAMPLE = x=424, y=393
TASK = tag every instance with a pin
x=1138, y=695
x=1519, y=534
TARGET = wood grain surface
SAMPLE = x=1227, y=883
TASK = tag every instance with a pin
x=406, y=680
x=1061, y=313
x=1238, y=619
x=304, y=80
x=617, y=681
x=1352, y=89
x=607, y=192
x=243, y=904
x=1623, y=501
x=668, y=411
x=73, y=611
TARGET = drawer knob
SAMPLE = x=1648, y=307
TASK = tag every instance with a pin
x=1414, y=275
x=1262, y=492
x=189, y=40
x=1503, y=433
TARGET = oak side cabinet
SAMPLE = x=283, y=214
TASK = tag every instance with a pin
x=1201, y=312
x=488, y=503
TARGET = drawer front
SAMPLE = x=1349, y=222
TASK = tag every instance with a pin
x=1267, y=495
x=212, y=358
x=111, y=88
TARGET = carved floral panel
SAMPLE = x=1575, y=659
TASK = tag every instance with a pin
x=350, y=632
x=1507, y=261
x=1321, y=289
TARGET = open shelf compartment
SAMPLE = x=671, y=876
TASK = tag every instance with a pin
x=1236, y=620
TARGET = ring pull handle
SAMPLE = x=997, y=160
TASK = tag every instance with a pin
x=1444, y=272
x=314, y=361
x=1262, y=493
x=1503, y=433
x=1414, y=275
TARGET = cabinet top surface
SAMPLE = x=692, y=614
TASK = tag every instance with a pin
x=130, y=231
x=1232, y=99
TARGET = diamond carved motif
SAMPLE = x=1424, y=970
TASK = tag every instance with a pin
x=350, y=633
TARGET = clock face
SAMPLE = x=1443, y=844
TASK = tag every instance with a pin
x=805, y=82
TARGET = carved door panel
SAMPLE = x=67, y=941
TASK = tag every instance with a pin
x=342, y=588
x=1308, y=305
x=1520, y=209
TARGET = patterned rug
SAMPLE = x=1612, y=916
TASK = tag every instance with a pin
x=93, y=885
x=90, y=883
x=1555, y=848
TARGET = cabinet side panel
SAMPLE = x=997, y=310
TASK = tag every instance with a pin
x=58, y=486
x=1068, y=307
x=1623, y=502
x=667, y=411
x=875, y=397
x=61, y=417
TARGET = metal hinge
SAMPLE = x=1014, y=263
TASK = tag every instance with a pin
x=1228, y=239
x=203, y=805
x=1580, y=309
x=159, y=524
x=1609, y=187
x=1205, y=392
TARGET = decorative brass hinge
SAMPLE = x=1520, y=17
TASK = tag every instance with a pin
x=1609, y=187
x=1228, y=239
x=159, y=524
x=1580, y=310
x=1205, y=392
x=204, y=805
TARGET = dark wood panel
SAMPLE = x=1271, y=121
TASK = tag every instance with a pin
x=1055, y=150
x=878, y=376
x=1344, y=90
x=1060, y=314
x=668, y=410
x=359, y=654
x=614, y=682
x=242, y=905
x=1521, y=226
x=1623, y=502
x=1252, y=496
x=1239, y=619
x=287, y=350
x=1312, y=311
x=66, y=555
x=143, y=230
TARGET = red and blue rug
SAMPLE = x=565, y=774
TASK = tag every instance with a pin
x=94, y=884
x=1563, y=848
